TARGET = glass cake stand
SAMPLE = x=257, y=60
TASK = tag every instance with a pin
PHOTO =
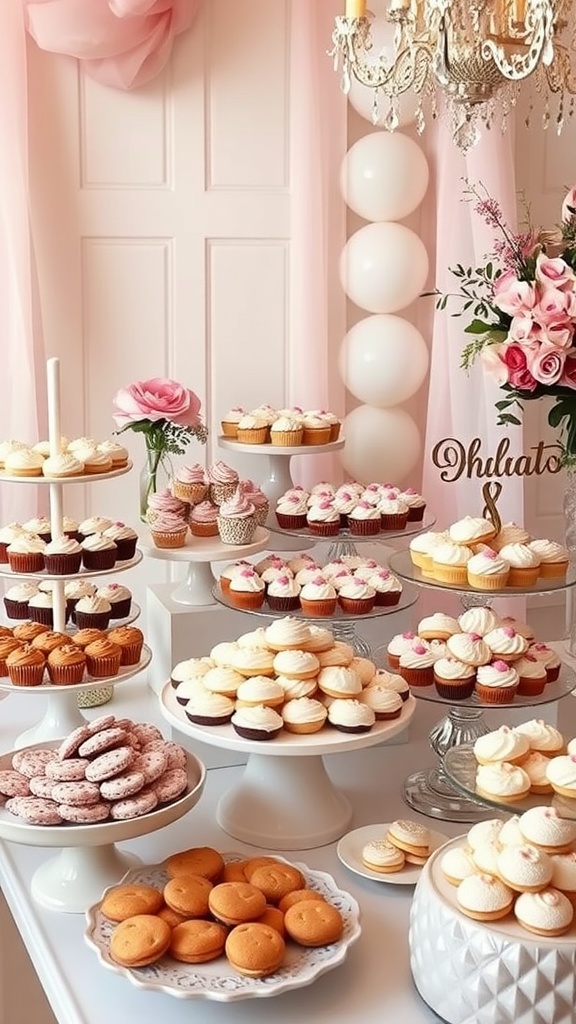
x=431, y=791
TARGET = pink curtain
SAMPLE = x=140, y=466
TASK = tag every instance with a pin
x=317, y=221
x=121, y=43
x=22, y=409
x=461, y=406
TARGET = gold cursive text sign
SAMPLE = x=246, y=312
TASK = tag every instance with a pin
x=454, y=460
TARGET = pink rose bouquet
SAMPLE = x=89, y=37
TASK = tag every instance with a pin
x=523, y=302
x=168, y=415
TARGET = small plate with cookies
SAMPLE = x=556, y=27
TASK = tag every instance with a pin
x=196, y=925
x=394, y=852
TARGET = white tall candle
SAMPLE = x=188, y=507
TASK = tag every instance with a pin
x=53, y=385
x=355, y=8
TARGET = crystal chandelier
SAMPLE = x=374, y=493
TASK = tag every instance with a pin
x=474, y=52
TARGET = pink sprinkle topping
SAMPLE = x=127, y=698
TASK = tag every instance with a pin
x=410, y=490
x=508, y=631
x=419, y=649
x=284, y=580
x=390, y=495
x=247, y=573
x=384, y=574
x=318, y=581
x=118, y=523
x=490, y=554
x=540, y=647
x=500, y=666
x=373, y=487
x=408, y=636
x=530, y=657
x=475, y=637
x=326, y=504
x=364, y=504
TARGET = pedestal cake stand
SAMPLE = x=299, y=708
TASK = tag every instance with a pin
x=278, y=479
x=284, y=799
x=431, y=791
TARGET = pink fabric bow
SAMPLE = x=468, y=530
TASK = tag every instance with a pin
x=122, y=43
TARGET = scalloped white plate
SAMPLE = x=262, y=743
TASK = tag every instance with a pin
x=350, y=848
x=216, y=979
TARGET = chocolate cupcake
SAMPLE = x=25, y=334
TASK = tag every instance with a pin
x=41, y=608
x=125, y=539
x=7, y=535
x=16, y=600
x=62, y=557
x=120, y=599
x=99, y=552
x=26, y=553
x=93, y=613
x=39, y=525
x=73, y=591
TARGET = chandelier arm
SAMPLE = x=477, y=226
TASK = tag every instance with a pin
x=539, y=45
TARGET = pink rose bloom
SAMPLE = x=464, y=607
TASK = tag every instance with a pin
x=546, y=364
x=523, y=330
x=552, y=306
x=493, y=363
x=519, y=375
x=569, y=205
x=568, y=378
x=156, y=399
x=514, y=297
x=553, y=273
x=560, y=334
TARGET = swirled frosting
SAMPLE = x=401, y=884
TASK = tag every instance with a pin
x=502, y=779
x=510, y=533
x=497, y=673
x=501, y=744
x=220, y=473
x=520, y=556
x=478, y=620
x=471, y=529
x=468, y=647
x=505, y=642
x=237, y=507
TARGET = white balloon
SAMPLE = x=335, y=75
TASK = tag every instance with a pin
x=384, y=176
x=383, y=267
x=383, y=360
x=382, y=445
x=361, y=97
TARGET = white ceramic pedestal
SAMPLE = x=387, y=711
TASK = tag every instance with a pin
x=278, y=478
x=88, y=861
x=285, y=799
x=199, y=552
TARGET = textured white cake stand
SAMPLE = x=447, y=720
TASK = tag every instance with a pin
x=498, y=973
x=284, y=799
x=199, y=552
x=88, y=861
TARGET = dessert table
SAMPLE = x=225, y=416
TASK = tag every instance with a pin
x=373, y=983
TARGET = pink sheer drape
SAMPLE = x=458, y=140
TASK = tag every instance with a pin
x=461, y=406
x=22, y=409
x=317, y=222
x=121, y=43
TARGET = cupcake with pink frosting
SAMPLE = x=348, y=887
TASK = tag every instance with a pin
x=203, y=520
x=190, y=484
x=162, y=502
x=222, y=481
x=236, y=519
x=169, y=530
x=261, y=503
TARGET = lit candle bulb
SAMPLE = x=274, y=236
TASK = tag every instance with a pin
x=355, y=8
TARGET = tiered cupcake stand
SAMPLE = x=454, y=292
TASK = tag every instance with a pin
x=88, y=860
x=433, y=792
x=278, y=478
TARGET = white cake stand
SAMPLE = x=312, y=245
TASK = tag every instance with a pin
x=278, y=478
x=199, y=552
x=88, y=861
x=285, y=799
x=62, y=715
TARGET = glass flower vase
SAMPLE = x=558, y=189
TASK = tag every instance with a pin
x=155, y=475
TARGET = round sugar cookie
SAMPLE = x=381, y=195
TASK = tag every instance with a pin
x=124, y=901
x=255, y=950
x=198, y=860
x=140, y=940
x=314, y=923
x=196, y=941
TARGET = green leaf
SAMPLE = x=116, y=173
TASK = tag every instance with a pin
x=477, y=327
x=504, y=403
x=507, y=417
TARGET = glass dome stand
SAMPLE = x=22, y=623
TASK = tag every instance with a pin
x=430, y=791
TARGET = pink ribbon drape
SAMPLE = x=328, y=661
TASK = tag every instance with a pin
x=121, y=43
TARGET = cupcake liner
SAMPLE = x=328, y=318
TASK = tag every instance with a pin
x=229, y=429
x=553, y=570
x=121, y=609
x=193, y=493
x=286, y=522
x=259, y=435
x=355, y=607
x=495, y=694
x=66, y=675
x=394, y=522
x=460, y=690
x=246, y=599
x=286, y=438
x=530, y=687
x=126, y=548
x=26, y=675
x=95, y=560
x=319, y=609
x=63, y=565
x=92, y=620
x=495, y=582
x=204, y=529
x=364, y=527
x=393, y=661
x=102, y=668
x=43, y=615
x=388, y=599
x=206, y=720
x=283, y=604
x=316, y=435
x=452, y=574
x=416, y=514
x=23, y=562
x=94, y=698
x=131, y=653
x=174, y=539
x=222, y=492
x=257, y=734
x=3, y=554
x=417, y=676
x=236, y=531
x=343, y=520
x=16, y=609
x=552, y=673
x=261, y=514
x=325, y=529
x=335, y=431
